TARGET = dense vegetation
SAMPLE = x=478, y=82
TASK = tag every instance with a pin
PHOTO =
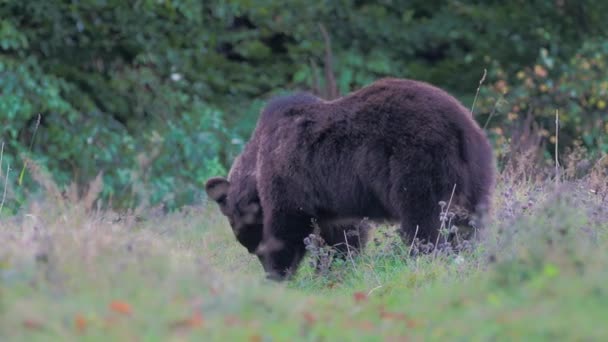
x=158, y=95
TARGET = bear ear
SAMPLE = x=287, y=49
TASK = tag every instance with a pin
x=217, y=189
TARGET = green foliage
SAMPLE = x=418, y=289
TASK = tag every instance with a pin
x=542, y=245
x=577, y=89
x=119, y=82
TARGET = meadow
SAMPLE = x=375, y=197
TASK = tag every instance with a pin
x=72, y=270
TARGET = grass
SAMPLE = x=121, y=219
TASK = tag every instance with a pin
x=71, y=272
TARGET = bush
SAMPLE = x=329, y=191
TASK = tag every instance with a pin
x=159, y=95
x=578, y=90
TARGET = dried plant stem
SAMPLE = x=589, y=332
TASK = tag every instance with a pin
x=8, y=170
x=451, y=196
x=20, y=181
x=1, y=156
x=492, y=113
x=413, y=240
x=350, y=254
x=331, y=86
x=483, y=78
x=374, y=289
x=447, y=209
x=316, y=84
x=556, y=147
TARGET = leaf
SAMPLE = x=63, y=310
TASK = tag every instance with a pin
x=32, y=324
x=80, y=323
x=255, y=338
x=231, y=320
x=392, y=315
x=110, y=320
x=309, y=318
x=366, y=325
x=398, y=316
x=194, y=321
x=540, y=71
x=360, y=296
x=121, y=307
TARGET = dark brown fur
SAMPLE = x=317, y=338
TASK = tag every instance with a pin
x=390, y=152
x=238, y=197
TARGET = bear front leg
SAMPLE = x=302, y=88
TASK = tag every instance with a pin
x=346, y=237
x=420, y=220
x=282, y=247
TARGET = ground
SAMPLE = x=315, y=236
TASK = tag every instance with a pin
x=69, y=273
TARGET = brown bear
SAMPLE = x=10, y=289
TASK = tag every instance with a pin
x=238, y=199
x=389, y=152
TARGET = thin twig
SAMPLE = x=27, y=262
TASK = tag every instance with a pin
x=332, y=88
x=374, y=289
x=30, y=149
x=483, y=78
x=492, y=113
x=451, y=196
x=8, y=170
x=1, y=155
x=443, y=221
x=413, y=240
x=349, y=252
x=437, y=241
x=373, y=271
x=316, y=85
x=556, y=147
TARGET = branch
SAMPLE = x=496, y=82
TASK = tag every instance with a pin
x=331, y=87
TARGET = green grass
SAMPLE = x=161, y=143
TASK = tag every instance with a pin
x=541, y=273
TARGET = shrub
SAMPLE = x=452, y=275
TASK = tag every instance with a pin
x=578, y=90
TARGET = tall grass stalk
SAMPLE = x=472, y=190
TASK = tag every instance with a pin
x=483, y=78
x=22, y=173
x=8, y=170
x=556, y=148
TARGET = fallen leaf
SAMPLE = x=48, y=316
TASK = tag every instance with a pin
x=398, y=316
x=309, y=318
x=110, y=320
x=196, y=302
x=392, y=315
x=359, y=296
x=32, y=324
x=194, y=321
x=356, y=324
x=80, y=323
x=121, y=307
x=410, y=323
x=255, y=338
x=231, y=320
x=366, y=325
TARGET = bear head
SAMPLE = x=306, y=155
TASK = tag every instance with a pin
x=241, y=205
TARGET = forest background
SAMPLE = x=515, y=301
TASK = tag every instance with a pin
x=160, y=95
